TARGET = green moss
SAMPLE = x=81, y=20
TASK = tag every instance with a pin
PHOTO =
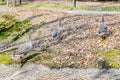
x=105, y=8
x=52, y=65
x=81, y=8
x=110, y=54
x=2, y=3
x=7, y=17
x=1, y=23
x=7, y=22
x=105, y=41
x=103, y=64
x=14, y=26
x=111, y=64
x=75, y=58
x=42, y=58
x=111, y=59
x=53, y=6
x=100, y=53
x=5, y=59
x=42, y=22
x=44, y=46
x=113, y=8
x=26, y=5
x=114, y=65
x=4, y=35
x=46, y=58
x=67, y=7
x=46, y=6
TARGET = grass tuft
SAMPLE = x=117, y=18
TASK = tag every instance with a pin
x=111, y=54
x=116, y=8
x=42, y=22
x=111, y=59
x=14, y=26
x=2, y=3
x=5, y=59
x=105, y=41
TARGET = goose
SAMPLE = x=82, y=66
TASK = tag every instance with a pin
x=58, y=32
x=24, y=49
x=103, y=29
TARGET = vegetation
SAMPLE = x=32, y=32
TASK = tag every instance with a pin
x=105, y=41
x=5, y=59
x=10, y=24
x=47, y=56
x=110, y=58
x=55, y=6
x=2, y=3
x=116, y=8
x=42, y=22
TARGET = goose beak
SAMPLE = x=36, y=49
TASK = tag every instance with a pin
x=14, y=57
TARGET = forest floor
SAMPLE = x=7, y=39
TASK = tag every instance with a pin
x=80, y=46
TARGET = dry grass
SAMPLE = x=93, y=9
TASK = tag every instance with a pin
x=80, y=44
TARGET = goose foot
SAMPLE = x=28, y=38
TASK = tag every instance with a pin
x=103, y=37
x=23, y=59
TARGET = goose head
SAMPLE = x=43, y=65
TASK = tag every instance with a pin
x=102, y=18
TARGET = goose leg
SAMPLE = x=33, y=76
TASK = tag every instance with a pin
x=103, y=37
x=23, y=59
x=60, y=38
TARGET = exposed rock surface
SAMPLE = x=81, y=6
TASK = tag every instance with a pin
x=40, y=72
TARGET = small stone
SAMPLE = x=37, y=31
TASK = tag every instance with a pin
x=109, y=47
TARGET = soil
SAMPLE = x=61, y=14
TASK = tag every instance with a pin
x=79, y=38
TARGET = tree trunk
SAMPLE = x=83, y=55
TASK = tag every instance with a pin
x=8, y=3
x=14, y=3
x=118, y=0
x=74, y=3
x=20, y=1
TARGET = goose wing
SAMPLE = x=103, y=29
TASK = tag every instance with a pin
x=60, y=31
x=102, y=29
x=54, y=35
x=24, y=48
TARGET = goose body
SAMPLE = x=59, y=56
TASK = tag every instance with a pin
x=103, y=29
x=57, y=33
x=24, y=49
